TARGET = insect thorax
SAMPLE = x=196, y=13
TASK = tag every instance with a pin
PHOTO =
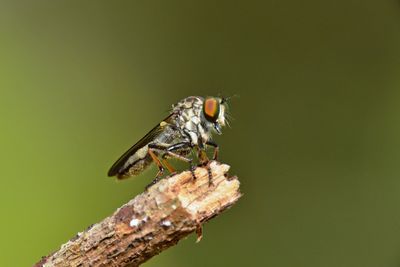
x=191, y=120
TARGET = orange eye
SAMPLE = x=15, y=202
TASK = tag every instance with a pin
x=211, y=109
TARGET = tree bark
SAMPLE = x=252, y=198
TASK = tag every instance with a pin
x=153, y=221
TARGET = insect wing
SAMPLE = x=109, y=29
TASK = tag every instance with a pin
x=119, y=164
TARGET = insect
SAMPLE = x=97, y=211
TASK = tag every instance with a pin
x=188, y=127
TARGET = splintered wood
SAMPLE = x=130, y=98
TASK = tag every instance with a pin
x=153, y=221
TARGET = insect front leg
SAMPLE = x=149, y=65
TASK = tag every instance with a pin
x=216, y=148
x=201, y=152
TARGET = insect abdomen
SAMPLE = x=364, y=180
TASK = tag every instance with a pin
x=132, y=165
x=135, y=168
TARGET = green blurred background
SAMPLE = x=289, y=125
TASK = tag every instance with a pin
x=315, y=140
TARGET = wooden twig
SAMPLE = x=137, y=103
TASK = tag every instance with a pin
x=153, y=221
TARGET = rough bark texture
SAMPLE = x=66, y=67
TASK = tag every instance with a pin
x=153, y=221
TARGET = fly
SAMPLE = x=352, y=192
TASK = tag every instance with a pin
x=188, y=127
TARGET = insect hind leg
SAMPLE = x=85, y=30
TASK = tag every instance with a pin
x=171, y=152
x=159, y=165
x=182, y=145
x=182, y=158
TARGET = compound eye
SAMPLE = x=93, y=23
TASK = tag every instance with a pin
x=211, y=109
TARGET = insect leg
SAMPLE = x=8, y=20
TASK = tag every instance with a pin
x=163, y=160
x=156, y=161
x=159, y=165
x=162, y=148
x=177, y=146
x=204, y=161
x=166, y=164
x=177, y=156
x=201, y=152
x=216, y=148
x=168, y=151
x=202, y=156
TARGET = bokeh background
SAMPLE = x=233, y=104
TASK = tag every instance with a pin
x=315, y=140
